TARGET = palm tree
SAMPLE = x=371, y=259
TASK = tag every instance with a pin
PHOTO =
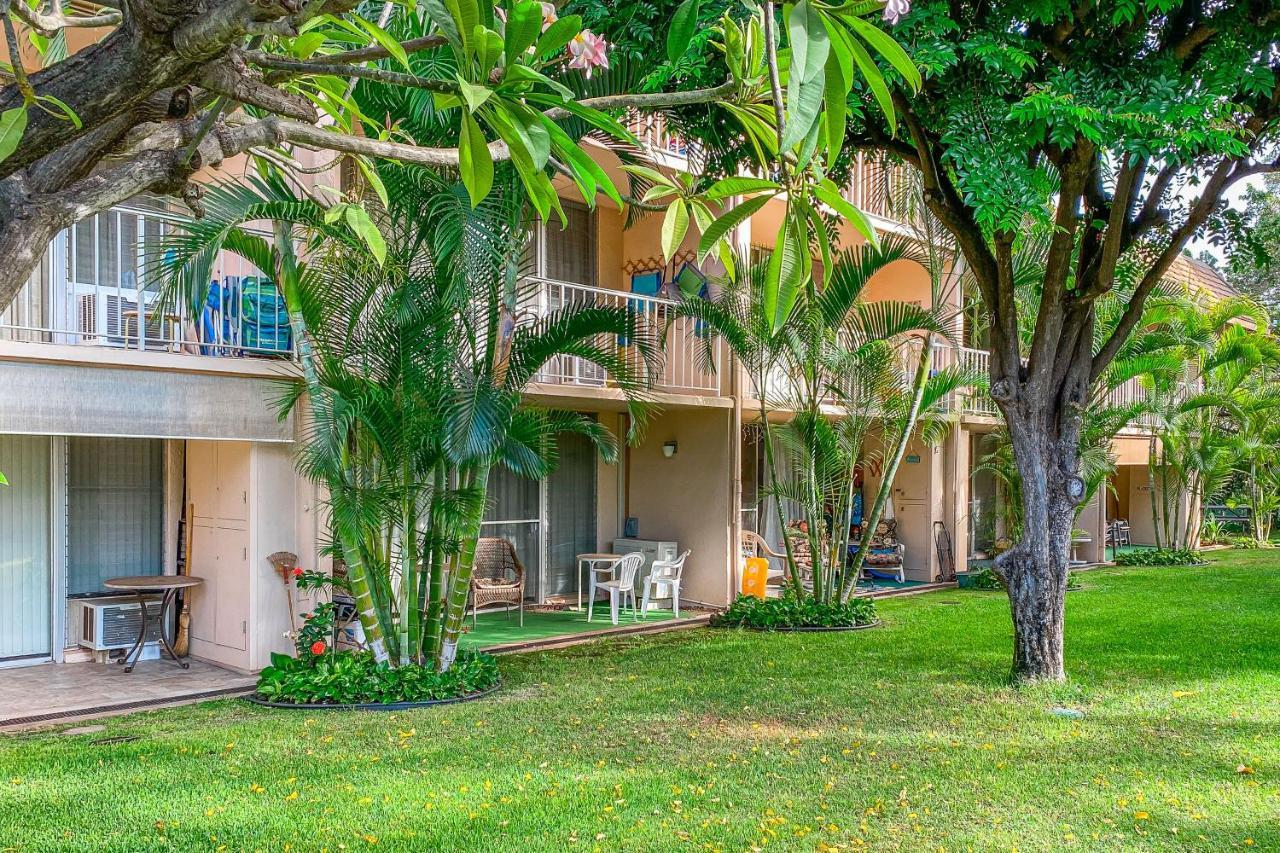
x=1219, y=349
x=803, y=368
x=414, y=369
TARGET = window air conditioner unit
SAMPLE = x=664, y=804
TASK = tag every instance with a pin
x=112, y=623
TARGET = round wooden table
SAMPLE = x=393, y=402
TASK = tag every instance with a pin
x=141, y=585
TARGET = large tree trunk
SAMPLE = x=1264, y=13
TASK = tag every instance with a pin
x=1035, y=569
x=1044, y=421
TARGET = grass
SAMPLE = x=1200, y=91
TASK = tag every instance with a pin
x=498, y=628
x=905, y=737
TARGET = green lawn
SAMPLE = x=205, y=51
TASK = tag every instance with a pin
x=904, y=737
x=499, y=628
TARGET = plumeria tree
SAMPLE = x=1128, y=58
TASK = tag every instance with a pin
x=173, y=88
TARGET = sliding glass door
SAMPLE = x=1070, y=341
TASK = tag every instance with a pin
x=515, y=514
x=571, y=514
x=115, y=510
x=26, y=580
x=555, y=518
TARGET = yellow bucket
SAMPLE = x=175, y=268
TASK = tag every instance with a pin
x=754, y=575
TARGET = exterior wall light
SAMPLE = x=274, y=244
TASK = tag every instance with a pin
x=669, y=449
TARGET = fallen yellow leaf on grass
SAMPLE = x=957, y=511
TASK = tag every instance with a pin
x=1244, y=770
x=1178, y=694
x=1141, y=816
x=293, y=795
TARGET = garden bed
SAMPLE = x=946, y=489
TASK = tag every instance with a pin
x=369, y=706
x=355, y=681
x=790, y=613
x=801, y=629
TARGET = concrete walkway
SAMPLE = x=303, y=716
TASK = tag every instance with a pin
x=55, y=693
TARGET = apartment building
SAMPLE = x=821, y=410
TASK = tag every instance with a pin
x=134, y=434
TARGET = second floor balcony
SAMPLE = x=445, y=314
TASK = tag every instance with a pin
x=92, y=289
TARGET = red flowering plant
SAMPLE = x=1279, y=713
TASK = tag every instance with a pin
x=317, y=624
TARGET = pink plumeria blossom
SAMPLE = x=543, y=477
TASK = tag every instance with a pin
x=895, y=10
x=549, y=15
x=588, y=52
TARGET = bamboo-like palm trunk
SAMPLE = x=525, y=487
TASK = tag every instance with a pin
x=891, y=468
x=455, y=609
x=436, y=580
x=410, y=615
x=290, y=288
x=1154, y=460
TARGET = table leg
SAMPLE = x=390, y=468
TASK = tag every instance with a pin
x=579, y=584
x=136, y=651
x=166, y=605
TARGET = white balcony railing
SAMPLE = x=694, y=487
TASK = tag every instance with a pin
x=874, y=185
x=680, y=369
x=93, y=288
x=663, y=142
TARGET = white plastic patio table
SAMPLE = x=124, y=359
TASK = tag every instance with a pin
x=596, y=564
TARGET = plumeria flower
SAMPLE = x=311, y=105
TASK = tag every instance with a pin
x=588, y=52
x=895, y=10
x=549, y=15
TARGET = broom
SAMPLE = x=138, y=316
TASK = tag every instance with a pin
x=182, y=642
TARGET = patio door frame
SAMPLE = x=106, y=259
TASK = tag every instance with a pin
x=542, y=521
x=57, y=580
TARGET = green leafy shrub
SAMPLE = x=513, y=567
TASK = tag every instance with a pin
x=1159, y=557
x=1247, y=543
x=984, y=578
x=987, y=579
x=790, y=612
x=350, y=678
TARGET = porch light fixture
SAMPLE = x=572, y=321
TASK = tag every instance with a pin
x=669, y=449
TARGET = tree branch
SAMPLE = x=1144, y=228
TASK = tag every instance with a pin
x=1228, y=171
x=48, y=25
x=233, y=80
x=364, y=72
x=1074, y=169
x=365, y=54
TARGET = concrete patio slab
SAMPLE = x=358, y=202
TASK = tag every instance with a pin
x=58, y=693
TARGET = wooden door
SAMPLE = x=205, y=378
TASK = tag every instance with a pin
x=233, y=483
x=202, y=479
x=231, y=593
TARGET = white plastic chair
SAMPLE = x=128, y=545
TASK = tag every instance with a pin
x=664, y=582
x=621, y=587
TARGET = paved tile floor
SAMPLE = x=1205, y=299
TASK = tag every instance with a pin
x=59, y=688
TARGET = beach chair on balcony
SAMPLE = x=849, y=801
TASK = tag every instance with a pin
x=690, y=283
x=885, y=554
x=646, y=283
x=497, y=577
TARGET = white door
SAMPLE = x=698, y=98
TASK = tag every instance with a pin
x=26, y=614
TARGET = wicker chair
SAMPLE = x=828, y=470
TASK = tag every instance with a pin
x=497, y=577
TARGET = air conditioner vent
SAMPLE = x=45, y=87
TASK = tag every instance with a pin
x=113, y=623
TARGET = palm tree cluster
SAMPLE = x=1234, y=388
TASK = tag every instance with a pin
x=839, y=370
x=413, y=367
